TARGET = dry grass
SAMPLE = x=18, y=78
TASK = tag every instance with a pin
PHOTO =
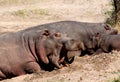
x=30, y=13
x=54, y=10
x=118, y=22
x=18, y=2
x=115, y=80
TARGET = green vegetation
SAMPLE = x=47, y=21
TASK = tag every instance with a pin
x=115, y=80
x=114, y=14
x=111, y=19
x=30, y=13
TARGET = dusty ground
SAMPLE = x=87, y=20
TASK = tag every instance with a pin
x=20, y=15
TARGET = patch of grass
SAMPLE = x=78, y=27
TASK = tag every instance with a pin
x=118, y=26
x=40, y=11
x=111, y=19
x=30, y=13
x=109, y=13
x=115, y=80
x=21, y=13
x=16, y=2
x=112, y=15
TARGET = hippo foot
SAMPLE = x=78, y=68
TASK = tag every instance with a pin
x=67, y=65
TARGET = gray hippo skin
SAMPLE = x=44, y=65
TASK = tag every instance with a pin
x=23, y=51
x=106, y=43
x=20, y=53
x=78, y=30
x=69, y=45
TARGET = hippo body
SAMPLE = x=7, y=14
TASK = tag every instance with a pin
x=12, y=54
x=21, y=53
x=107, y=43
x=25, y=51
x=77, y=30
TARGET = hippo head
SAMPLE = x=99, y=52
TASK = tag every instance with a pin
x=91, y=43
x=71, y=48
x=48, y=49
x=95, y=43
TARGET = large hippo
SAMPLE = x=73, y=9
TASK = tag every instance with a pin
x=106, y=43
x=23, y=51
x=78, y=30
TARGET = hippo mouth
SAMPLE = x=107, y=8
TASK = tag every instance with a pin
x=71, y=55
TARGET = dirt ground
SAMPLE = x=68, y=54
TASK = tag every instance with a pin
x=20, y=15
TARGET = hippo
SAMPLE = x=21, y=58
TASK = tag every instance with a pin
x=106, y=43
x=82, y=31
x=69, y=45
x=23, y=51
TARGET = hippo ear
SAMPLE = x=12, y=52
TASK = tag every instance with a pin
x=107, y=27
x=57, y=34
x=46, y=32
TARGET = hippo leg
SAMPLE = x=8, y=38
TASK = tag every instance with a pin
x=65, y=64
x=57, y=65
x=62, y=61
x=32, y=67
